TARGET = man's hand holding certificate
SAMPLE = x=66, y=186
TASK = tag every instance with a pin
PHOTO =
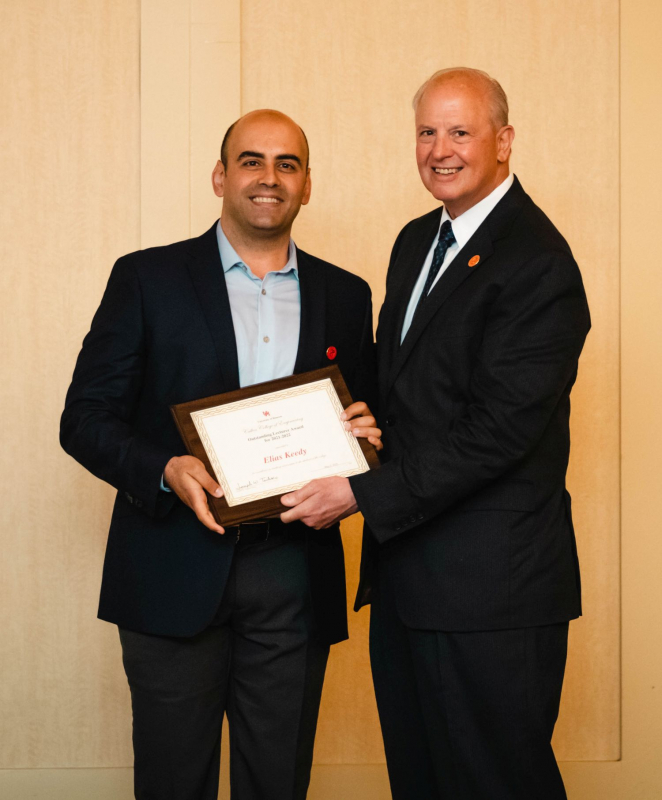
x=262, y=444
x=325, y=501
x=189, y=479
x=320, y=503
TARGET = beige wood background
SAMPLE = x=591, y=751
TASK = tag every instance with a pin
x=189, y=95
x=70, y=167
x=70, y=162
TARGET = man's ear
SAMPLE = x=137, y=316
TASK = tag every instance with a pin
x=307, y=189
x=218, y=179
x=504, y=143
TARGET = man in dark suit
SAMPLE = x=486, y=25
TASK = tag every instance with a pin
x=469, y=554
x=211, y=620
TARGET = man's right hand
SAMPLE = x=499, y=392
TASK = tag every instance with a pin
x=188, y=478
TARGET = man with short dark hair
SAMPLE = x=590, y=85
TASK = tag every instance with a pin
x=215, y=621
x=469, y=555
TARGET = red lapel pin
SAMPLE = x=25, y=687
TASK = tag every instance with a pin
x=331, y=353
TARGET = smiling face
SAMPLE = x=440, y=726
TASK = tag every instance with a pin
x=267, y=179
x=462, y=155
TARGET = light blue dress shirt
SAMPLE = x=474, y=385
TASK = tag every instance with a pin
x=266, y=316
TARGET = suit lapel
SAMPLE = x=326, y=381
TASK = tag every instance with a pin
x=208, y=278
x=393, y=312
x=412, y=269
x=312, y=329
x=495, y=226
x=458, y=271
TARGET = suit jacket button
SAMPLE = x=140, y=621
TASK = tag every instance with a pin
x=138, y=503
x=390, y=420
x=398, y=527
x=128, y=497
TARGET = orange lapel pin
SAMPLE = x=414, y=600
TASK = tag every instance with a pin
x=474, y=260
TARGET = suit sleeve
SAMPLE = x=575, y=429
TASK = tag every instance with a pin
x=96, y=423
x=526, y=362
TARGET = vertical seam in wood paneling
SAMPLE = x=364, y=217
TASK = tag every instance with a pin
x=190, y=46
x=620, y=390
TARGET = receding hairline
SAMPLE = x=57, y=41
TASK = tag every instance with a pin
x=267, y=112
x=496, y=94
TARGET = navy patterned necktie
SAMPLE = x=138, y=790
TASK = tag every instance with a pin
x=446, y=239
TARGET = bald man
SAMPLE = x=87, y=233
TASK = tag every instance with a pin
x=469, y=554
x=215, y=621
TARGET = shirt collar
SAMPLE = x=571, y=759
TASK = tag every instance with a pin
x=468, y=223
x=230, y=259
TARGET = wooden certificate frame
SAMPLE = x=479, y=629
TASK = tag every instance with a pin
x=264, y=507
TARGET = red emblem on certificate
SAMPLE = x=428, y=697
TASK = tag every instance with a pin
x=331, y=353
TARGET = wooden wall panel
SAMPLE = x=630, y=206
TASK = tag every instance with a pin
x=215, y=98
x=346, y=72
x=165, y=121
x=69, y=159
x=190, y=57
x=638, y=776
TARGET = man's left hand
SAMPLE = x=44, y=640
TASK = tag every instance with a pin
x=320, y=503
x=359, y=420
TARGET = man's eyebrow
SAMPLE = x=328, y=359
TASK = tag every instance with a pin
x=283, y=157
x=249, y=153
x=288, y=157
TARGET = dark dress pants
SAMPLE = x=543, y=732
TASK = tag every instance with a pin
x=260, y=662
x=467, y=716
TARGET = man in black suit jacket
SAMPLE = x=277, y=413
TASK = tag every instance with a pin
x=469, y=555
x=213, y=621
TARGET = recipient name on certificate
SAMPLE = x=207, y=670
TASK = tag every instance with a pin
x=275, y=443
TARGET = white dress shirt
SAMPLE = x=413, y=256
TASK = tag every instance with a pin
x=464, y=226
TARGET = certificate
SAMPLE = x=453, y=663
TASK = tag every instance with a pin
x=263, y=441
